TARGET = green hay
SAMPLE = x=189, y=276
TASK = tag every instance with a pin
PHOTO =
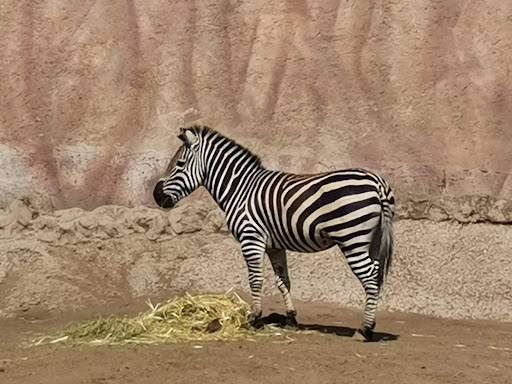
x=184, y=319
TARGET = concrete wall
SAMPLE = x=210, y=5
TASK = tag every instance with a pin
x=93, y=91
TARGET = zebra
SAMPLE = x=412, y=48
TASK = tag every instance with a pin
x=271, y=212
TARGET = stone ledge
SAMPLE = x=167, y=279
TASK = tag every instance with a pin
x=467, y=209
x=32, y=216
x=35, y=216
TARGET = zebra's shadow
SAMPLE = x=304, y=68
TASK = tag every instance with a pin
x=281, y=321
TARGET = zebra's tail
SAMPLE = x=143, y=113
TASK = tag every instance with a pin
x=381, y=246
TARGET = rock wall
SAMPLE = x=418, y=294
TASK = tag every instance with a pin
x=93, y=91
x=67, y=260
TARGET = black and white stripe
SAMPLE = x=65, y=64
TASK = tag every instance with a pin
x=269, y=211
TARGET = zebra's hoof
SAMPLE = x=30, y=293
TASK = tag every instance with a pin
x=291, y=321
x=253, y=319
x=364, y=335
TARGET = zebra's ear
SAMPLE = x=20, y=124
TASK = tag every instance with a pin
x=187, y=136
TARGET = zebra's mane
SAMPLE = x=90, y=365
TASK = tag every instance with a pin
x=204, y=132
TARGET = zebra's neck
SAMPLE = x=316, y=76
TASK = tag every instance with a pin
x=229, y=169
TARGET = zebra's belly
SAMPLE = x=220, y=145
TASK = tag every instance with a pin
x=294, y=246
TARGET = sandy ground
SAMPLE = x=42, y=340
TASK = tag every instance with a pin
x=413, y=349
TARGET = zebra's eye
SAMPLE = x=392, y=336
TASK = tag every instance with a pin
x=180, y=163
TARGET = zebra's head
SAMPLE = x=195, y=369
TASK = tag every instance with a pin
x=185, y=172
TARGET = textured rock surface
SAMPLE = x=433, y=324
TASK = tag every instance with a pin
x=418, y=91
x=73, y=259
x=467, y=209
x=93, y=92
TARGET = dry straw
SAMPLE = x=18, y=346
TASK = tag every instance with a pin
x=184, y=319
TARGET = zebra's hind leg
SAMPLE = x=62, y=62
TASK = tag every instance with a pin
x=278, y=259
x=366, y=270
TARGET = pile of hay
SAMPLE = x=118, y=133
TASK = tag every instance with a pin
x=184, y=319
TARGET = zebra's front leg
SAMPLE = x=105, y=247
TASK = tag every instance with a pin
x=278, y=259
x=253, y=251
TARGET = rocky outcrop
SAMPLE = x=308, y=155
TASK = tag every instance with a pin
x=466, y=209
x=34, y=217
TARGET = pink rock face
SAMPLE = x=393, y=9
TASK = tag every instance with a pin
x=93, y=93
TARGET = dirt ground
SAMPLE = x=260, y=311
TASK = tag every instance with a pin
x=413, y=349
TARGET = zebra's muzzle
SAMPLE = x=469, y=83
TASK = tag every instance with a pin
x=163, y=200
